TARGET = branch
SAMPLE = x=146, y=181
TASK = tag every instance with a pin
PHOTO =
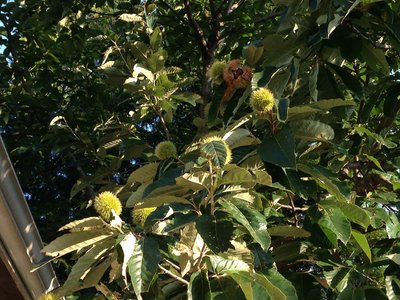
x=292, y=207
x=199, y=34
x=115, y=14
x=177, y=16
x=221, y=7
x=173, y=275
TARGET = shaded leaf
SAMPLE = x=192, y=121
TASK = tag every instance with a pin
x=279, y=149
x=252, y=220
x=216, y=233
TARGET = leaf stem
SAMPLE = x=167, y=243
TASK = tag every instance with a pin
x=173, y=275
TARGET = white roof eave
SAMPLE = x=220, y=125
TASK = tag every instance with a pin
x=20, y=241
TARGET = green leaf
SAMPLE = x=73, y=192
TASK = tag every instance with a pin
x=333, y=220
x=83, y=266
x=375, y=162
x=141, y=69
x=375, y=58
x=216, y=233
x=362, y=130
x=349, y=80
x=288, y=231
x=289, y=251
x=312, y=130
x=220, y=265
x=161, y=200
x=328, y=104
x=128, y=246
x=362, y=242
x=338, y=278
x=280, y=51
x=257, y=286
x=277, y=84
x=283, y=109
x=143, y=174
x=394, y=257
x=84, y=223
x=199, y=286
x=279, y=149
x=74, y=241
x=353, y=212
x=237, y=175
x=216, y=151
x=326, y=180
x=225, y=288
x=312, y=83
x=235, y=136
x=252, y=220
x=143, y=265
x=279, y=281
x=156, y=38
x=252, y=54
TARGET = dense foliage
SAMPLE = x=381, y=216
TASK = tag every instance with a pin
x=209, y=149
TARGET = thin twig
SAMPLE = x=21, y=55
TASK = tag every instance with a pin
x=164, y=124
x=177, y=16
x=173, y=275
x=115, y=14
x=120, y=53
x=292, y=207
x=202, y=252
x=172, y=264
x=197, y=29
x=211, y=194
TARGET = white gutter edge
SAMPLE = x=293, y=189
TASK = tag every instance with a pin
x=20, y=240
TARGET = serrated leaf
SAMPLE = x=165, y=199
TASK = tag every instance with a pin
x=288, y=231
x=375, y=58
x=143, y=174
x=252, y=54
x=337, y=278
x=156, y=38
x=136, y=196
x=353, y=212
x=326, y=180
x=220, y=265
x=281, y=282
x=83, y=266
x=237, y=175
x=199, y=286
x=87, y=222
x=216, y=233
x=161, y=200
x=279, y=149
x=143, y=265
x=257, y=286
x=252, y=220
x=225, y=288
x=234, y=136
x=333, y=220
x=140, y=69
x=132, y=18
x=362, y=242
x=283, y=109
x=387, y=143
x=216, y=151
x=320, y=106
x=128, y=246
x=74, y=241
x=312, y=130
